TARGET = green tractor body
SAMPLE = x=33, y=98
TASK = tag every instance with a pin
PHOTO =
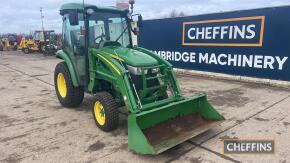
x=99, y=59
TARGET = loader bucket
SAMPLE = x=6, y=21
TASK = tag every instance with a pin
x=156, y=130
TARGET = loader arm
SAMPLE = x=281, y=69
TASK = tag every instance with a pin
x=115, y=73
x=104, y=67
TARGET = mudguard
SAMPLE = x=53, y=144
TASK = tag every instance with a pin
x=64, y=56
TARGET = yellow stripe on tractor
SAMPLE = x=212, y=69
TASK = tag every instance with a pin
x=114, y=56
x=110, y=63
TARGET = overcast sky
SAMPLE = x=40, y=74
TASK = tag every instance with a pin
x=24, y=15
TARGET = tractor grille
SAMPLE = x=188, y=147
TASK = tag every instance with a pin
x=150, y=84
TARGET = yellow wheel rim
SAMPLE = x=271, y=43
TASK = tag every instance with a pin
x=61, y=85
x=99, y=113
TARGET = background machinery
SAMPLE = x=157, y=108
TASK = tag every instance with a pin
x=46, y=41
x=8, y=42
x=99, y=58
x=28, y=45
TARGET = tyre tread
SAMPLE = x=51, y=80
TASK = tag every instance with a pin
x=111, y=111
x=75, y=95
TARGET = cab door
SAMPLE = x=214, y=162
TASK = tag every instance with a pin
x=74, y=46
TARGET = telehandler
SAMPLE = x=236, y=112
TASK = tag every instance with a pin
x=99, y=58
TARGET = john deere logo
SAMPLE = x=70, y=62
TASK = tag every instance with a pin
x=245, y=31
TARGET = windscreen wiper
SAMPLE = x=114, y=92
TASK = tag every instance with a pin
x=122, y=33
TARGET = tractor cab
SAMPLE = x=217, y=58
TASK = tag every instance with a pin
x=90, y=27
x=102, y=26
x=44, y=36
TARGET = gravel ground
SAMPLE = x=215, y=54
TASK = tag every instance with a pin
x=34, y=127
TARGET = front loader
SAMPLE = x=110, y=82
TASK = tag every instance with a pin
x=99, y=59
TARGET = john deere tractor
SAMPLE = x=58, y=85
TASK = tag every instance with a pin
x=99, y=59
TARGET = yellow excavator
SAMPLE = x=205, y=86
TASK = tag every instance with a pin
x=28, y=45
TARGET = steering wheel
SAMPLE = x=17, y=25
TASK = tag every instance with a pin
x=99, y=37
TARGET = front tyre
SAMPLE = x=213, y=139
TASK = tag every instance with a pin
x=105, y=111
x=68, y=95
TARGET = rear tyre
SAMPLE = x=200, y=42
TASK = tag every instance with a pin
x=105, y=111
x=68, y=95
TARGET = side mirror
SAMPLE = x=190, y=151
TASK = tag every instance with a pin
x=73, y=18
x=140, y=21
x=131, y=2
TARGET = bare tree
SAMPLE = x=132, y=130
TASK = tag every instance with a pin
x=174, y=14
x=181, y=14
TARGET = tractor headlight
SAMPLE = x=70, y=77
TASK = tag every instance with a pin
x=136, y=70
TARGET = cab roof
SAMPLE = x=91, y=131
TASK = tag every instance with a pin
x=65, y=8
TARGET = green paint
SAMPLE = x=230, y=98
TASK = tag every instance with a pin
x=147, y=119
x=132, y=57
x=62, y=55
x=106, y=72
x=80, y=6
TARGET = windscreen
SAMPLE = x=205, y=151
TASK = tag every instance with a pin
x=106, y=27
